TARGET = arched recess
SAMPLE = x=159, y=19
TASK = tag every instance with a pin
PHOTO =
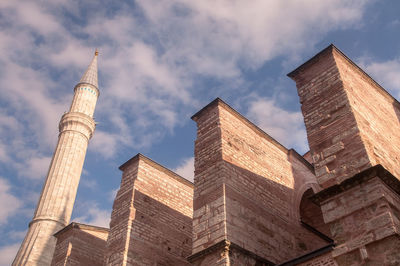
x=311, y=214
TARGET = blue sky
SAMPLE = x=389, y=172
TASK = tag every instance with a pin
x=159, y=63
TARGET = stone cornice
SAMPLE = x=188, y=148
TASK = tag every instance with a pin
x=309, y=256
x=80, y=84
x=81, y=226
x=227, y=246
x=376, y=171
x=78, y=118
x=47, y=218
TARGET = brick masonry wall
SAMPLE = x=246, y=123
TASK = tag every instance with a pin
x=311, y=214
x=209, y=221
x=219, y=257
x=336, y=94
x=336, y=146
x=377, y=115
x=360, y=218
x=121, y=217
x=259, y=185
x=80, y=246
x=261, y=191
x=352, y=125
x=152, y=216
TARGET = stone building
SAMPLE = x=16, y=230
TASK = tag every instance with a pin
x=255, y=202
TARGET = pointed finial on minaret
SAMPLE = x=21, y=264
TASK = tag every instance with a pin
x=90, y=75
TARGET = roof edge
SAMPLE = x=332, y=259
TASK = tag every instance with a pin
x=156, y=165
x=377, y=171
x=332, y=47
x=213, y=102
x=77, y=225
x=258, y=130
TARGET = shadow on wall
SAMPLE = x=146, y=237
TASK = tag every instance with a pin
x=311, y=214
x=159, y=233
x=259, y=217
x=80, y=248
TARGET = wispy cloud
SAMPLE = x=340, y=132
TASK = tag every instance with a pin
x=35, y=167
x=285, y=126
x=387, y=73
x=156, y=66
x=94, y=215
x=186, y=169
x=7, y=254
x=112, y=194
x=150, y=65
x=9, y=204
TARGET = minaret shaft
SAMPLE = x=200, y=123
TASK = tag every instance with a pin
x=56, y=201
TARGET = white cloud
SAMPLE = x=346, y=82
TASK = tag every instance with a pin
x=150, y=69
x=233, y=32
x=89, y=183
x=35, y=167
x=9, y=204
x=95, y=216
x=7, y=254
x=113, y=194
x=386, y=73
x=186, y=169
x=286, y=127
x=17, y=235
x=149, y=66
x=3, y=153
x=104, y=143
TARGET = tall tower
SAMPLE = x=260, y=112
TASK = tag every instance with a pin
x=54, y=208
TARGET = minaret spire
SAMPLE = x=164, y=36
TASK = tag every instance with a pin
x=90, y=76
x=56, y=201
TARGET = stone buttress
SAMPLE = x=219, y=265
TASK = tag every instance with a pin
x=353, y=130
x=247, y=188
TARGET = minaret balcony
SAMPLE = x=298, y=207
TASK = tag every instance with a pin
x=78, y=122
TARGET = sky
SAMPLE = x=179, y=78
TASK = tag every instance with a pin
x=159, y=63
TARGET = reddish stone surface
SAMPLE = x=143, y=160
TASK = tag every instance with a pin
x=353, y=130
x=376, y=113
x=360, y=218
x=251, y=193
x=352, y=123
x=151, y=222
x=311, y=214
x=248, y=188
x=80, y=244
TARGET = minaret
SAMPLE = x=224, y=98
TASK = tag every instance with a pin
x=54, y=208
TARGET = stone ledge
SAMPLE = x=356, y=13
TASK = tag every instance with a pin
x=375, y=171
x=332, y=48
x=73, y=225
x=308, y=256
x=158, y=166
x=227, y=245
x=256, y=129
